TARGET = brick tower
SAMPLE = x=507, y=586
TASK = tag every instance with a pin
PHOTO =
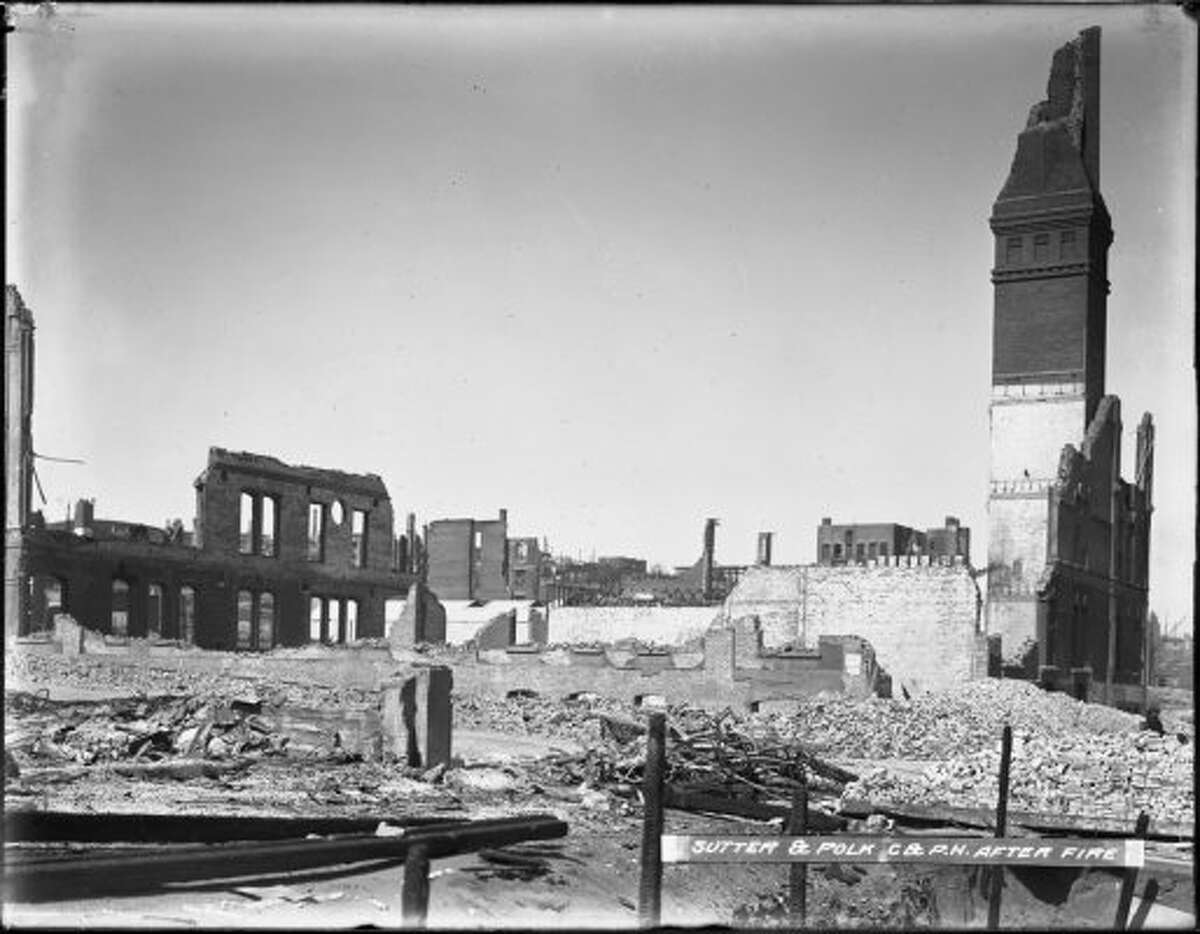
x=1052, y=233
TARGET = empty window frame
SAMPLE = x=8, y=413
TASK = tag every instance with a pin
x=1012, y=251
x=268, y=527
x=245, y=619
x=154, y=611
x=1041, y=248
x=351, y=620
x=826, y=551
x=187, y=614
x=837, y=552
x=265, y=629
x=872, y=549
x=478, y=540
x=358, y=538
x=333, y=631
x=54, y=597
x=860, y=551
x=316, y=618
x=883, y=549
x=316, y=531
x=119, y=618
x=246, y=523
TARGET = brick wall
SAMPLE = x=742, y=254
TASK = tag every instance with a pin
x=922, y=619
x=668, y=625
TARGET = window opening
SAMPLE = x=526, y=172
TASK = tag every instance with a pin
x=119, y=621
x=316, y=531
x=351, y=620
x=266, y=532
x=154, y=611
x=334, y=634
x=316, y=608
x=266, y=621
x=245, y=619
x=358, y=538
x=246, y=524
x=187, y=614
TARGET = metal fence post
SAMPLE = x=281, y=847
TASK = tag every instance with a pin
x=650, y=887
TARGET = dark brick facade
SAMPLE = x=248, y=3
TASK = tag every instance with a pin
x=467, y=559
x=82, y=565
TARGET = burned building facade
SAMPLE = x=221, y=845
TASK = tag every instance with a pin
x=1068, y=548
x=280, y=555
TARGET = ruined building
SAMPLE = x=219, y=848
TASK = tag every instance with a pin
x=1068, y=548
x=280, y=555
x=468, y=558
x=18, y=450
x=850, y=544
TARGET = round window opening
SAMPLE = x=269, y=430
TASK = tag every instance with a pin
x=336, y=512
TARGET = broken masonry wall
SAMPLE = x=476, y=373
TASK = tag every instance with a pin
x=921, y=617
x=665, y=625
x=229, y=474
x=708, y=679
x=86, y=569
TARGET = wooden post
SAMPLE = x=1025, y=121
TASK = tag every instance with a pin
x=650, y=888
x=798, y=872
x=997, y=872
x=414, y=895
x=1129, y=879
x=1149, y=894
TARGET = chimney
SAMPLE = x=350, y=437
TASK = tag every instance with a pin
x=764, y=549
x=826, y=521
x=411, y=530
x=706, y=561
x=85, y=510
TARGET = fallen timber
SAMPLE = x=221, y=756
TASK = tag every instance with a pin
x=34, y=880
x=984, y=818
x=37, y=826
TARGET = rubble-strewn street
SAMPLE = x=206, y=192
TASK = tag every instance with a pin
x=213, y=746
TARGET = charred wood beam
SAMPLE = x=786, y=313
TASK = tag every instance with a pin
x=683, y=799
x=66, y=826
x=61, y=879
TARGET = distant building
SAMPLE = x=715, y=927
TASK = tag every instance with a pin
x=860, y=542
x=526, y=569
x=467, y=559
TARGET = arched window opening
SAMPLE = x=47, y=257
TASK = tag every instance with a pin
x=154, y=611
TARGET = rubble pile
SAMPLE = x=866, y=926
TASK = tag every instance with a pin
x=41, y=733
x=29, y=672
x=966, y=719
x=576, y=719
x=1102, y=775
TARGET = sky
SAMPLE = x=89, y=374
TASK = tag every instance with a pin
x=615, y=270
